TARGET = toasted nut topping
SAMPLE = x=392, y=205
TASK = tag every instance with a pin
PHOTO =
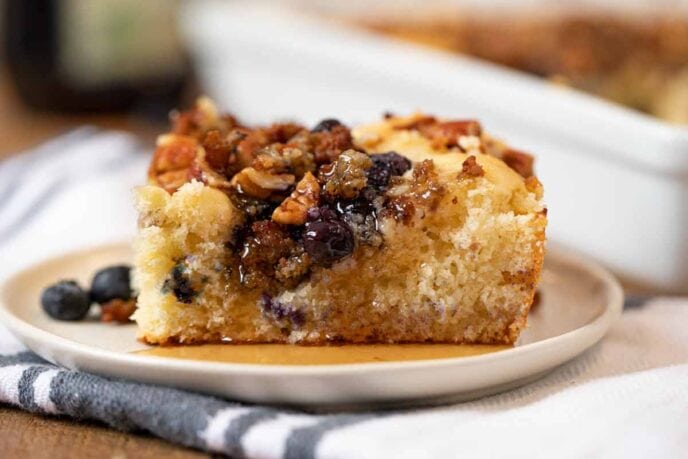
x=413, y=122
x=471, y=168
x=271, y=161
x=460, y=128
x=203, y=172
x=118, y=310
x=519, y=161
x=294, y=209
x=448, y=133
x=346, y=177
x=198, y=120
x=259, y=184
x=172, y=159
x=171, y=181
x=174, y=152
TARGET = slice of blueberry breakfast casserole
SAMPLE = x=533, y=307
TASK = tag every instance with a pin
x=413, y=229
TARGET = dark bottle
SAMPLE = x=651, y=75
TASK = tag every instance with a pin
x=96, y=55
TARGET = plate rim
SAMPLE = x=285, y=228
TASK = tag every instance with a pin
x=25, y=331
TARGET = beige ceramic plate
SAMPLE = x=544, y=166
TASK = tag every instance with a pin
x=580, y=301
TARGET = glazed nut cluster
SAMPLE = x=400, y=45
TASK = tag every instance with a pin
x=294, y=209
x=261, y=184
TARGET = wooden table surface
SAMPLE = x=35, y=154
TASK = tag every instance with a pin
x=22, y=127
x=29, y=435
x=34, y=436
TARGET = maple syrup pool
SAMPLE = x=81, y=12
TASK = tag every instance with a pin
x=286, y=354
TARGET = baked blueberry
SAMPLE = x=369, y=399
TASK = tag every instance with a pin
x=65, y=300
x=111, y=283
x=328, y=241
x=326, y=125
x=386, y=166
x=281, y=311
x=179, y=283
x=321, y=213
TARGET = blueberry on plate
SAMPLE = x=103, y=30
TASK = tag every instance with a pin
x=112, y=283
x=65, y=300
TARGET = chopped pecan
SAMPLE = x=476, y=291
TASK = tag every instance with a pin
x=222, y=151
x=173, y=157
x=280, y=159
x=294, y=209
x=217, y=150
x=171, y=181
x=416, y=122
x=346, y=177
x=471, y=168
x=519, y=161
x=174, y=152
x=252, y=141
x=282, y=132
x=200, y=119
x=203, y=172
x=447, y=133
x=260, y=184
x=466, y=127
x=117, y=310
x=303, y=140
x=271, y=160
x=256, y=140
x=300, y=161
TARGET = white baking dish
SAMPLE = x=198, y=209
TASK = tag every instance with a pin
x=616, y=181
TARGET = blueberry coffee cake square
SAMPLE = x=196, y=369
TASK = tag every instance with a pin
x=412, y=229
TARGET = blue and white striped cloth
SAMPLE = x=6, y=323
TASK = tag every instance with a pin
x=626, y=397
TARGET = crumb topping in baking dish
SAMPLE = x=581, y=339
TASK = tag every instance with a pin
x=308, y=197
x=637, y=61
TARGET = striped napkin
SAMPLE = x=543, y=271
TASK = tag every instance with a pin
x=626, y=397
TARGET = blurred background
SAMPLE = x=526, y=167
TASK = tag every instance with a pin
x=115, y=64
x=597, y=90
x=126, y=63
